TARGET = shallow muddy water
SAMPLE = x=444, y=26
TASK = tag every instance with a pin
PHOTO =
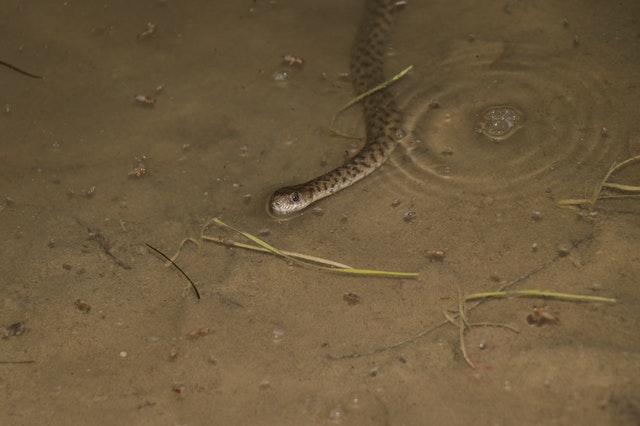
x=510, y=108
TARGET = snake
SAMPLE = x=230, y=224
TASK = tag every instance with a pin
x=381, y=116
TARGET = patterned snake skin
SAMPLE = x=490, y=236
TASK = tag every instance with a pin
x=382, y=119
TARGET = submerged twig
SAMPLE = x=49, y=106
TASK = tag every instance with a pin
x=463, y=322
x=195, y=289
x=380, y=86
x=99, y=238
x=21, y=71
x=510, y=293
x=302, y=260
x=484, y=297
x=361, y=96
x=295, y=255
x=538, y=294
x=632, y=191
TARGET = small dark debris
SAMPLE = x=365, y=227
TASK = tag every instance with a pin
x=82, y=306
x=15, y=329
x=351, y=298
x=409, y=216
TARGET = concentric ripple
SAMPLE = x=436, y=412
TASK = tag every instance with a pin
x=495, y=118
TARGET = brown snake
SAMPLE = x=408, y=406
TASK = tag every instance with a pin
x=381, y=116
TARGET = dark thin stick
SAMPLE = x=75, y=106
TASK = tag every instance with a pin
x=19, y=70
x=177, y=267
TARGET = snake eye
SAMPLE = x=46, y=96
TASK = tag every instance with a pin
x=295, y=197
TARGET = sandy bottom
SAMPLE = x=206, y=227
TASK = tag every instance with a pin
x=97, y=330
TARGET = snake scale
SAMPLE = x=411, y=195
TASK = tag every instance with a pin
x=381, y=116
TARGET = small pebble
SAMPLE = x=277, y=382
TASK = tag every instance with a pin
x=576, y=40
x=438, y=255
x=355, y=401
x=199, y=332
x=82, y=306
x=173, y=353
x=409, y=216
x=336, y=414
x=264, y=384
x=445, y=171
x=564, y=250
x=280, y=75
x=292, y=60
x=278, y=334
x=446, y=150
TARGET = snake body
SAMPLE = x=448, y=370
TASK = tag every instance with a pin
x=382, y=119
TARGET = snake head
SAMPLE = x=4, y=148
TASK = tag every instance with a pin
x=289, y=200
